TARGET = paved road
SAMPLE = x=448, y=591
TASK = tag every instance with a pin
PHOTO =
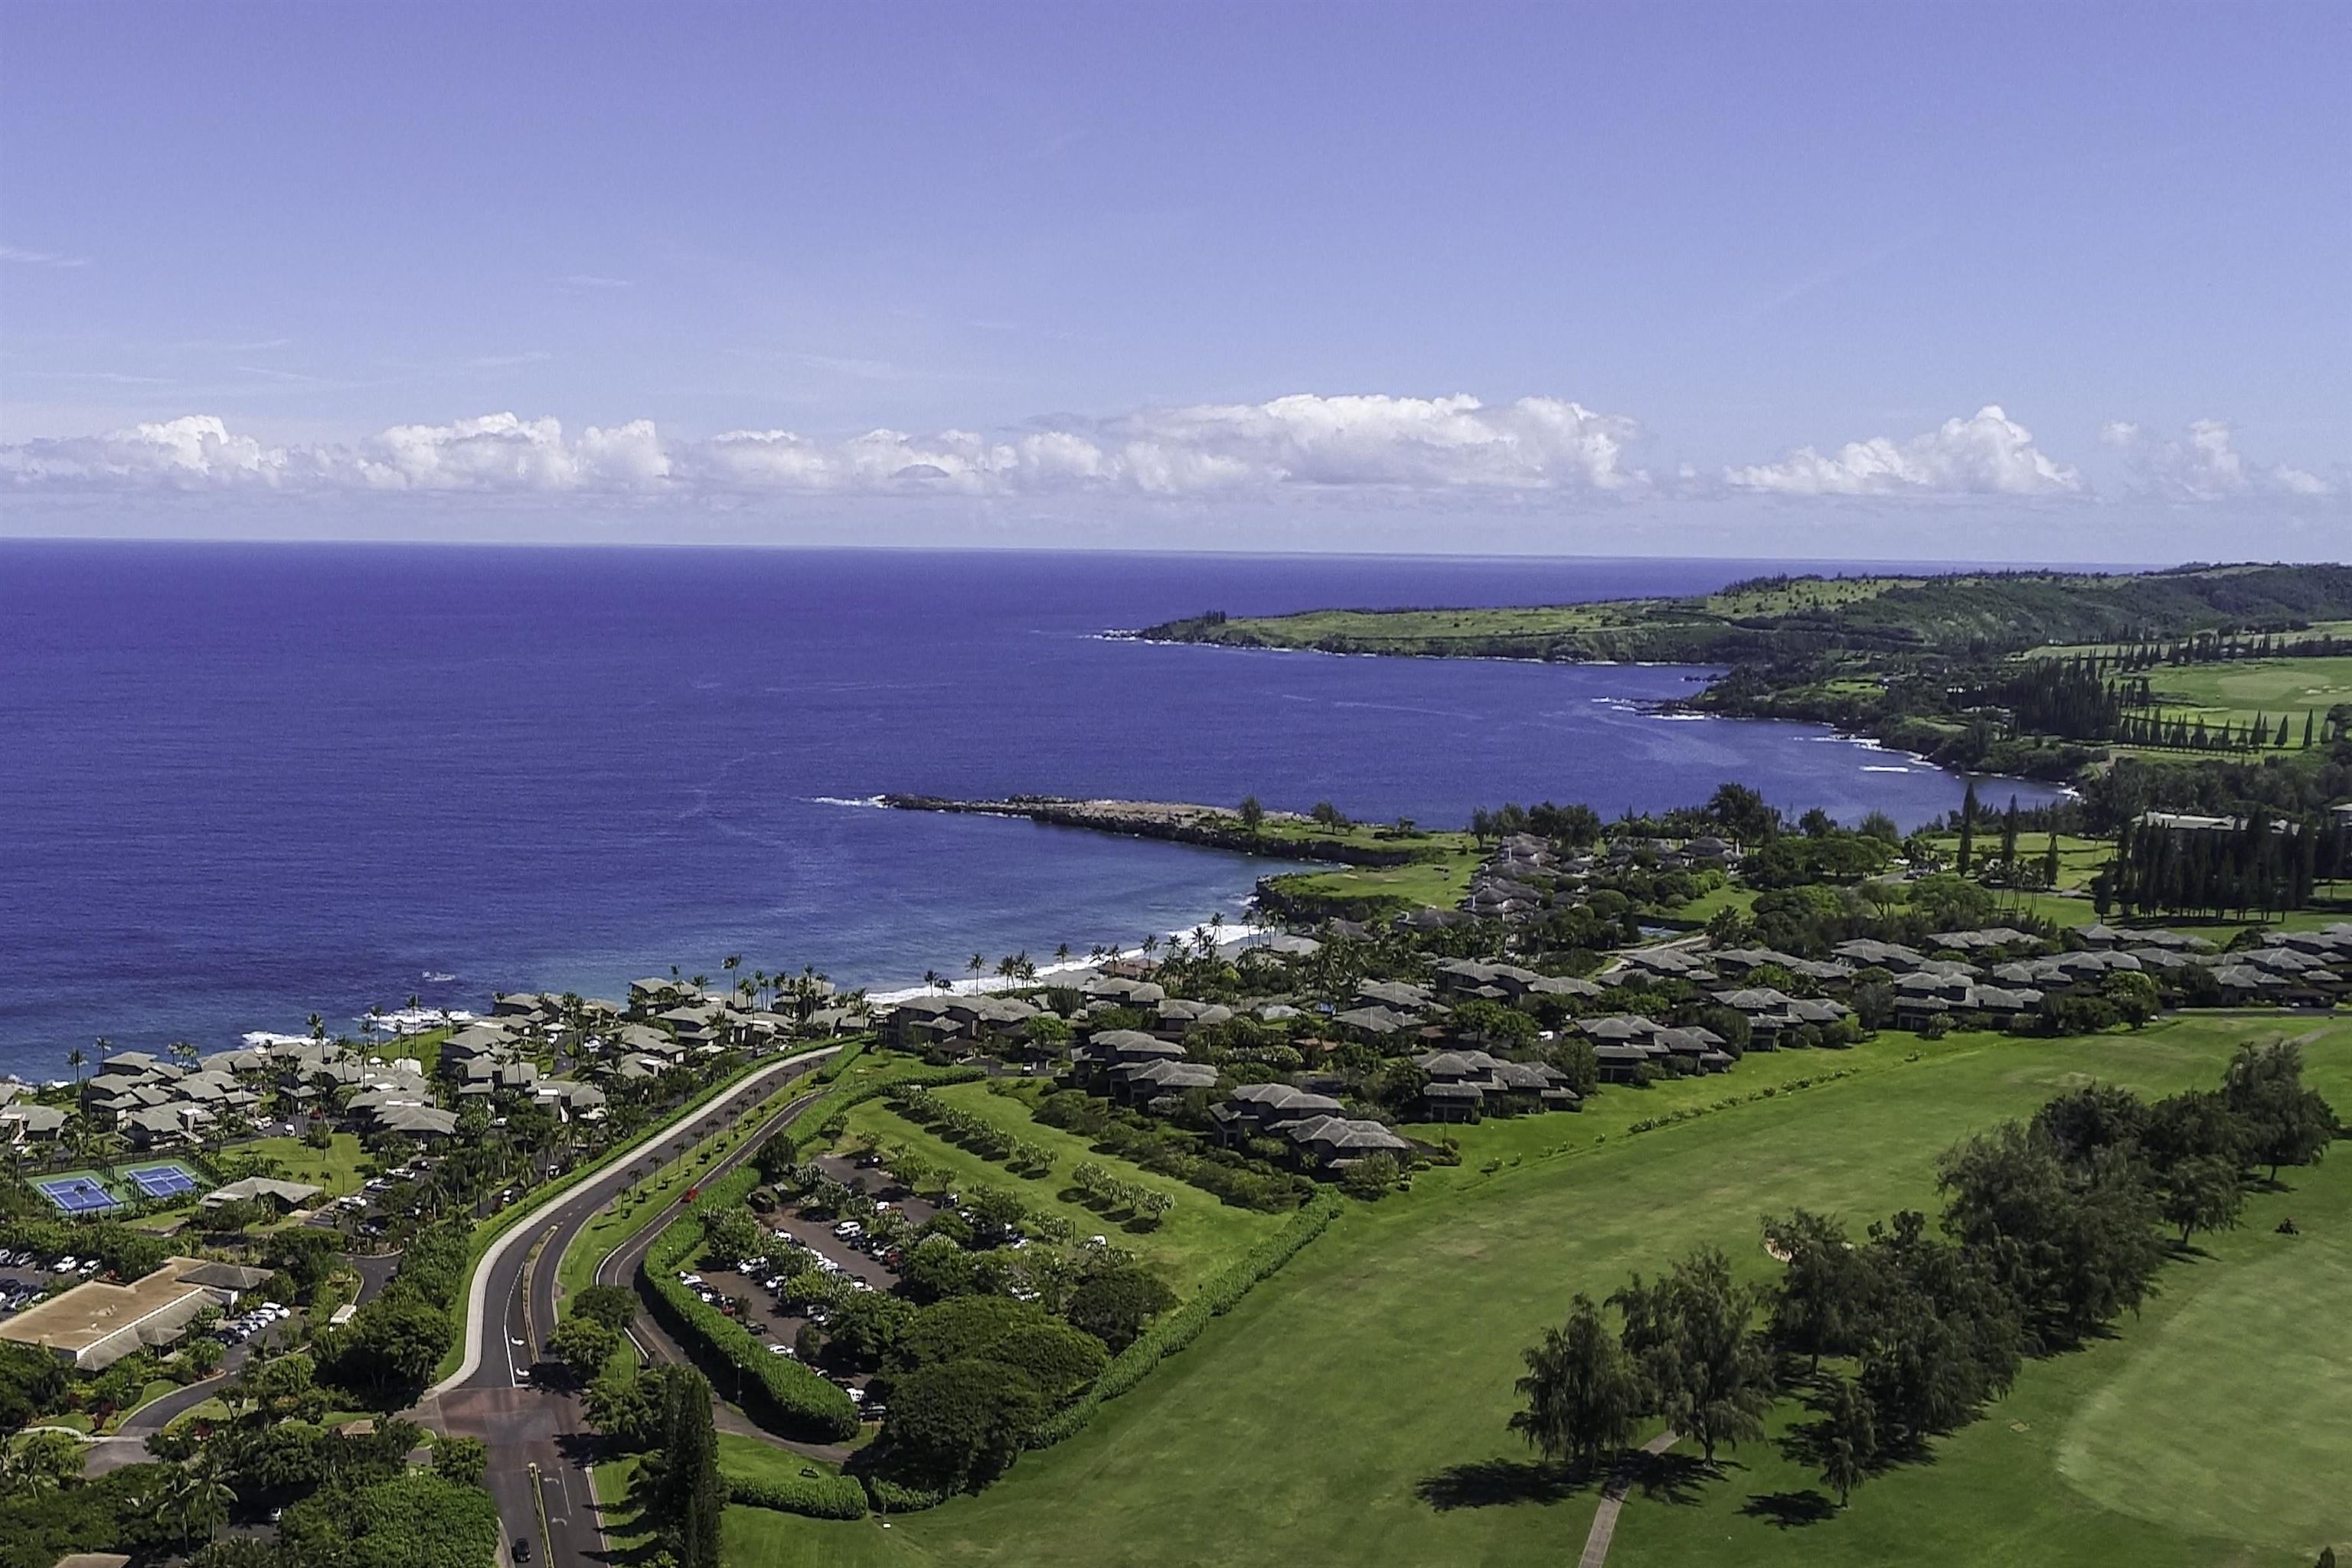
x=620, y=1268
x=511, y=1311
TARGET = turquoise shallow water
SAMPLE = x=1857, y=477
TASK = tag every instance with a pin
x=240, y=783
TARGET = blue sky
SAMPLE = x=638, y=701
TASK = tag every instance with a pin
x=1327, y=276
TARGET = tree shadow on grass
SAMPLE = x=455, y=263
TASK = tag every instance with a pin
x=1790, y=1510
x=1674, y=1477
x=1488, y=1483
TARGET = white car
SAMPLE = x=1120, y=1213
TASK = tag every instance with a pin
x=690, y=1280
x=780, y=1349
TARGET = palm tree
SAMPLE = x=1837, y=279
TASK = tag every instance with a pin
x=183, y=1052
x=105, y=1048
x=932, y=977
x=106, y=1148
x=77, y=1058
x=317, y=1028
x=1062, y=953
x=731, y=963
x=195, y=1498
x=977, y=964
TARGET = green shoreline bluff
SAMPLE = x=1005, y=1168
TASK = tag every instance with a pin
x=1923, y=664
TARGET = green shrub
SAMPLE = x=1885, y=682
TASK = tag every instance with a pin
x=897, y=1496
x=818, y=1497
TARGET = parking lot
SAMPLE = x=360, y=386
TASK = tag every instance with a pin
x=836, y=1247
x=23, y=1276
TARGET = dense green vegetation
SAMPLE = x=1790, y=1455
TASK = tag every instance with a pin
x=1925, y=664
x=1778, y=616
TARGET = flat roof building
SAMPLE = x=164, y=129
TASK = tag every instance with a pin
x=94, y=1325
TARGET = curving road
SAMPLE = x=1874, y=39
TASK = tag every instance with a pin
x=512, y=1308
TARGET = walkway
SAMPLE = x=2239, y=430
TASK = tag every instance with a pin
x=1613, y=1498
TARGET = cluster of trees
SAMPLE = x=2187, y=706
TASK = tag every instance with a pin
x=968, y=1378
x=2220, y=647
x=2068, y=697
x=2151, y=726
x=389, y=1349
x=1179, y=1150
x=2051, y=1229
x=2264, y=863
x=1097, y=1188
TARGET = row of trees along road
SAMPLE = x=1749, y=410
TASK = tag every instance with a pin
x=2051, y=1229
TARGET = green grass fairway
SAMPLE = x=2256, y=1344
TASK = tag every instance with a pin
x=1438, y=883
x=2241, y=689
x=2263, y=1355
x=1199, y=1236
x=335, y=1167
x=1353, y=1405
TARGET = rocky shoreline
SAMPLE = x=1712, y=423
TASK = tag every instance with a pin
x=1175, y=822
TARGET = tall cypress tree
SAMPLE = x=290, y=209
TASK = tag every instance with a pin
x=1967, y=828
x=688, y=1495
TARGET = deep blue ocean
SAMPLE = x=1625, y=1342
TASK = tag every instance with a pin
x=241, y=783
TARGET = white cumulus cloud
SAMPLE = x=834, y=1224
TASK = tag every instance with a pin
x=1987, y=454
x=1447, y=444
x=196, y=451
x=2203, y=463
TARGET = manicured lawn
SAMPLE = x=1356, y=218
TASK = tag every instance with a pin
x=750, y=1460
x=1356, y=1400
x=336, y=1167
x=1706, y=905
x=2241, y=689
x=1435, y=883
x=628, y=1534
x=2078, y=859
x=424, y=1048
x=1199, y=1236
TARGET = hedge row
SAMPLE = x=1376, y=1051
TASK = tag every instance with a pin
x=818, y=1497
x=1180, y=1327
x=797, y=1397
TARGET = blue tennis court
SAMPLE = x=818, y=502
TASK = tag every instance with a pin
x=76, y=1194
x=163, y=1181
